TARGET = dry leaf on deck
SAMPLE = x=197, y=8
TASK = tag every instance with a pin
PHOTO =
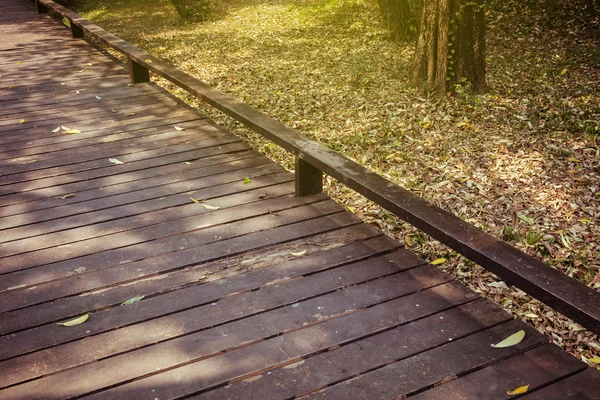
x=512, y=340
x=76, y=321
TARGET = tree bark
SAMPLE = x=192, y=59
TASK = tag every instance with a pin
x=451, y=45
x=398, y=17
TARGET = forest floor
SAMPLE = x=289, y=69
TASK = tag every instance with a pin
x=521, y=162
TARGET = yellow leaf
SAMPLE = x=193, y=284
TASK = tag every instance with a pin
x=426, y=125
x=64, y=128
x=408, y=241
x=197, y=200
x=149, y=61
x=438, y=261
x=21, y=121
x=564, y=71
x=71, y=132
x=56, y=130
x=76, y=321
x=179, y=128
x=512, y=340
x=115, y=161
x=595, y=360
x=585, y=221
x=89, y=64
x=209, y=207
x=299, y=254
x=390, y=156
x=461, y=124
x=351, y=209
x=519, y=390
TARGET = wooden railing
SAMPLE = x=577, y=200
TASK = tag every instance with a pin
x=550, y=286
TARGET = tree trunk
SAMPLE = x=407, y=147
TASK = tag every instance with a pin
x=451, y=45
x=398, y=18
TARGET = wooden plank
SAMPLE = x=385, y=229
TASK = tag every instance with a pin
x=339, y=364
x=550, y=286
x=408, y=376
x=113, y=221
x=355, y=243
x=20, y=132
x=165, y=310
x=582, y=386
x=142, y=235
x=43, y=166
x=85, y=96
x=132, y=162
x=536, y=368
x=154, y=198
x=200, y=246
x=243, y=333
x=142, y=139
x=167, y=137
x=96, y=188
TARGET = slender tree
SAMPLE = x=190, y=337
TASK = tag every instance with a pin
x=451, y=45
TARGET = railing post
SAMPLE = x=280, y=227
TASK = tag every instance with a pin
x=137, y=73
x=41, y=8
x=309, y=180
x=76, y=31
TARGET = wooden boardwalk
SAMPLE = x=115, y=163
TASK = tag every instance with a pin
x=267, y=297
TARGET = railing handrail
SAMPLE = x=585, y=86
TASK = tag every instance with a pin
x=550, y=286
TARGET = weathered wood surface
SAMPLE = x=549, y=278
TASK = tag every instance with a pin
x=550, y=286
x=270, y=296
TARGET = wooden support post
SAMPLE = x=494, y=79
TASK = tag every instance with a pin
x=137, y=73
x=76, y=31
x=41, y=8
x=309, y=180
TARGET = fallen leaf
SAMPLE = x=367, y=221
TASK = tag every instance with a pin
x=113, y=110
x=247, y=180
x=64, y=128
x=519, y=390
x=19, y=62
x=76, y=321
x=187, y=163
x=500, y=285
x=351, y=209
x=71, y=132
x=209, y=207
x=89, y=64
x=299, y=254
x=438, y=261
x=564, y=71
x=179, y=128
x=426, y=125
x=595, y=360
x=149, y=61
x=196, y=200
x=132, y=300
x=408, y=241
x=98, y=98
x=262, y=195
x=115, y=161
x=512, y=340
x=130, y=84
x=66, y=196
x=21, y=121
x=56, y=130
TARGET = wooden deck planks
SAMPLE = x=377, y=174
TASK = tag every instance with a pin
x=269, y=296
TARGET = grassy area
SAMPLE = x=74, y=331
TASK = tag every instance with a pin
x=521, y=162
